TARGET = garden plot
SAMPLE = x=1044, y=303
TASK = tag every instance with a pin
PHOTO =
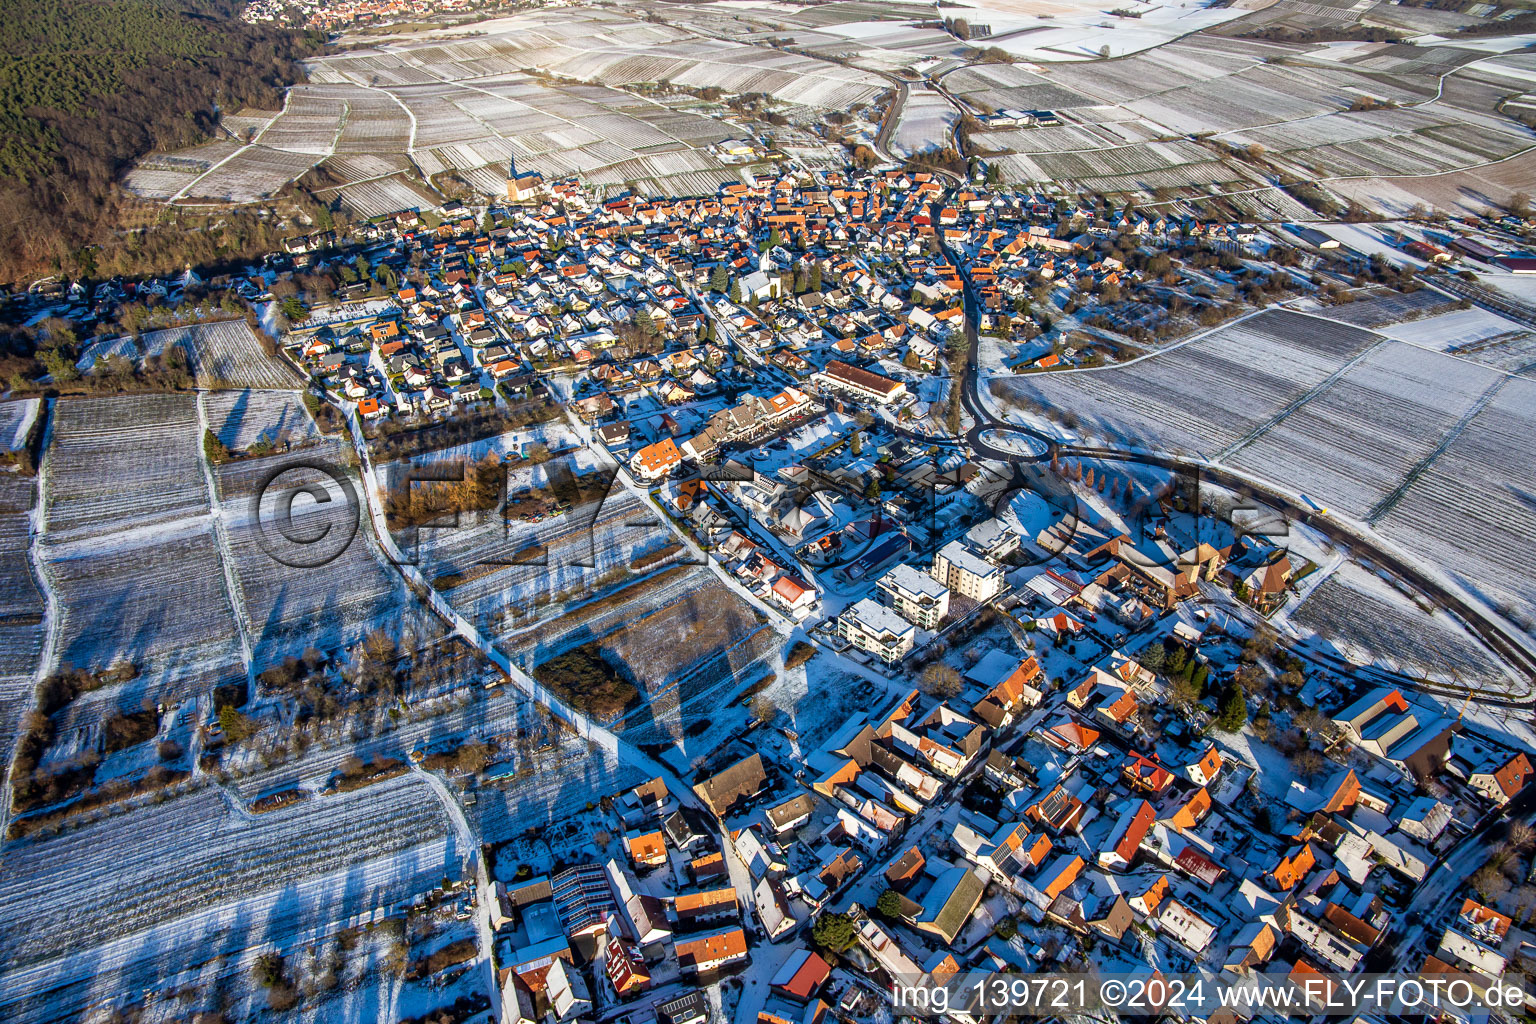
x=129, y=903
x=440, y=720
x=1208, y=393
x=688, y=712
x=1355, y=442
x=151, y=597
x=815, y=700
x=548, y=786
x=121, y=462
x=1472, y=511
x=1368, y=621
x=926, y=123
x=242, y=418
x=668, y=646
x=289, y=602
x=224, y=354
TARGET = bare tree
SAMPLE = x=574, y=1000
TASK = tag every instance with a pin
x=941, y=680
x=1490, y=882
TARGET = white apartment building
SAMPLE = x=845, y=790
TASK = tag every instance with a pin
x=966, y=573
x=874, y=628
x=915, y=596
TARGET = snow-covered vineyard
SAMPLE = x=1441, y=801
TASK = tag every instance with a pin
x=224, y=354
x=1209, y=393
x=773, y=511
x=288, y=601
x=21, y=602
x=1368, y=620
x=177, y=888
x=123, y=465
x=1423, y=446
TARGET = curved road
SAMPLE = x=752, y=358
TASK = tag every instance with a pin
x=1510, y=647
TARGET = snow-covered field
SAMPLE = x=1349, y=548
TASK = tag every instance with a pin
x=1368, y=621
x=190, y=886
x=289, y=602
x=21, y=602
x=1073, y=30
x=242, y=418
x=1357, y=441
x=121, y=461
x=926, y=122
x=130, y=553
x=1471, y=512
x=1209, y=393
x=1425, y=446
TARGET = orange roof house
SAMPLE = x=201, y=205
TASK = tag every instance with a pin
x=800, y=977
x=1206, y=767
x=693, y=907
x=1293, y=867
x=1071, y=736
x=1193, y=810
x=1484, y=923
x=1149, y=899
x=709, y=865
x=1061, y=874
x=1505, y=781
x=1058, y=810
x=1345, y=794
x=1126, y=837
x=655, y=461
x=711, y=951
x=647, y=849
x=1145, y=774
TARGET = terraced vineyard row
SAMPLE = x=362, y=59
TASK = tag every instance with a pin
x=289, y=601
x=224, y=354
